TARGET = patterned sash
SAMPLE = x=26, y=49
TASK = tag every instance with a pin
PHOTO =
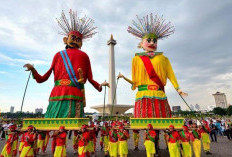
x=69, y=69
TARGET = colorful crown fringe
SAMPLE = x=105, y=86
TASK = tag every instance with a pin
x=151, y=25
x=82, y=25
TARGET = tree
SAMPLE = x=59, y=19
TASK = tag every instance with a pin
x=229, y=111
x=219, y=111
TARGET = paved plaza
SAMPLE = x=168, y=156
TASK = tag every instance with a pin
x=223, y=148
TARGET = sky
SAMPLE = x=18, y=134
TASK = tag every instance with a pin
x=199, y=50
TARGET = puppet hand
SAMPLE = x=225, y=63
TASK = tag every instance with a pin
x=120, y=76
x=182, y=93
x=81, y=80
x=105, y=84
x=29, y=67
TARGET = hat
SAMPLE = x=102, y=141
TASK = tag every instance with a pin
x=30, y=127
x=12, y=127
x=185, y=127
x=149, y=126
x=81, y=27
x=62, y=128
x=151, y=27
x=84, y=126
x=171, y=126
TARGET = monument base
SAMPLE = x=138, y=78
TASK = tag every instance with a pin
x=55, y=123
x=158, y=123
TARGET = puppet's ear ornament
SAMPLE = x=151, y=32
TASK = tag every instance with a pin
x=150, y=26
x=82, y=27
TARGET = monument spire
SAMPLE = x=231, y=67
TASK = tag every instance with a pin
x=111, y=94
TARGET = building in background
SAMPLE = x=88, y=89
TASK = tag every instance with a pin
x=112, y=105
x=220, y=100
x=12, y=109
x=197, y=107
x=176, y=108
x=38, y=110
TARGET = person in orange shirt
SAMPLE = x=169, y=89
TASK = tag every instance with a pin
x=173, y=137
x=149, y=140
x=185, y=136
x=60, y=150
x=29, y=139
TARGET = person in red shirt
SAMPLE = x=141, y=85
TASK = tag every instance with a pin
x=29, y=139
x=60, y=150
x=83, y=140
x=71, y=68
x=123, y=136
x=173, y=137
x=113, y=141
x=185, y=137
x=41, y=142
x=136, y=139
x=11, y=143
x=104, y=139
x=204, y=131
x=149, y=140
x=74, y=141
x=21, y=144
x=196, y=140
x=92, y=140
x=53, y=145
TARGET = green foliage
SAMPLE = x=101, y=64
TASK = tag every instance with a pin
x=229, y=111
x=18, y=115
x=219, y=111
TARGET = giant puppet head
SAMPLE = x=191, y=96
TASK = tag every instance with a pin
x=149, y=29
x=76, y=30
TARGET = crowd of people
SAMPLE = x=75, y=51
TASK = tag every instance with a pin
x=114, y=136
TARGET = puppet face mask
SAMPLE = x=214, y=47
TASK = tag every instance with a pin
x=149, y=44
x=73, y=41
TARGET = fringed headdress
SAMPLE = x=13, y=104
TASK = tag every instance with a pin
x=82, y=27
x=150, y=26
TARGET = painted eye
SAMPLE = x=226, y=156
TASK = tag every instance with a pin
x=148, y=40
x=78, y=39
x=73, y=37
x=154, y=40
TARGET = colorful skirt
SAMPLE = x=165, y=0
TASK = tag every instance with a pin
x=60, y=151
x=5, y=153
x=197, y=147
x=187, y=150
x=40, y=144
x=21, y=146
x=106, y=143
x=152, y=108
x=65, y=109
x=173, y=149
x=122, y=148
x=113, y=148
x=27, y=151
x=150, y=147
